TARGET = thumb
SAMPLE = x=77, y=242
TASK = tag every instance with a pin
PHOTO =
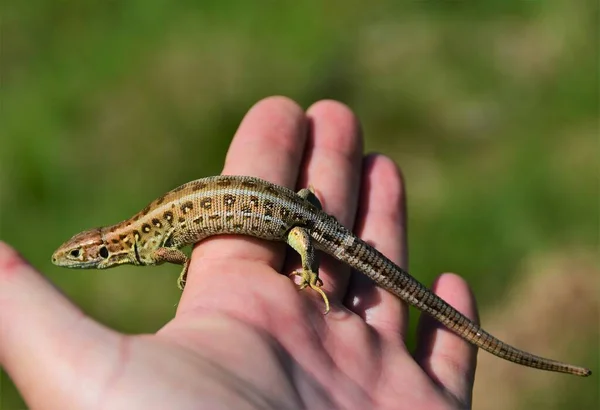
x=53, y=352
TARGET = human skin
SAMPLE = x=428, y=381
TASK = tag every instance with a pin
x=243, y=337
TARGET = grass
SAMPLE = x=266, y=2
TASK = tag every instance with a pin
x=490, y=108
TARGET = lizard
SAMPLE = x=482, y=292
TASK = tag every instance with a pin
x=251, y=206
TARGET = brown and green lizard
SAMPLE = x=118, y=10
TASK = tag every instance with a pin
x=251, y=206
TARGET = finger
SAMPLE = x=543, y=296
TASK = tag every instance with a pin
x=332, y=166
x=448, y=359
x=44, y=339
x=381, y=222
x=268, y=144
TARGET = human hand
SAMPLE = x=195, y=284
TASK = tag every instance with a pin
x=243, y=336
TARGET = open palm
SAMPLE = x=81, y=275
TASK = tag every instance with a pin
x=243, y=336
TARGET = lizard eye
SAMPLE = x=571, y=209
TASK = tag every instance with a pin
x=103, y=252
x=75, y=253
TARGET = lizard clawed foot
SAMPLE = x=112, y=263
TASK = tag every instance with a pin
x=312, y=280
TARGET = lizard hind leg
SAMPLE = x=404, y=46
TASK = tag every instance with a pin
x=299, y=239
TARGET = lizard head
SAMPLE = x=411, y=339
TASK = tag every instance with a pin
x=88, y=249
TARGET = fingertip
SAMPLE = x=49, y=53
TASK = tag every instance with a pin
x=383, y=190
x=269, y=142
x=280, y=104
x=386, y=166
x=10, y=261
x=330, y=106
x=335, y=110
x=337, y=128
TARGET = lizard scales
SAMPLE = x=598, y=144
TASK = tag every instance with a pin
x=251, y=206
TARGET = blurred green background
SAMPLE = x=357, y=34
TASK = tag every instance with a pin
x=490, y=108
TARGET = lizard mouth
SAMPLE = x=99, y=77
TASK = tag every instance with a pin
x=65, y=263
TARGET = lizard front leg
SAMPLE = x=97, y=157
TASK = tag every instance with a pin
x=172, y=255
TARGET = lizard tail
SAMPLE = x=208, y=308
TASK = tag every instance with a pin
x=388, y=275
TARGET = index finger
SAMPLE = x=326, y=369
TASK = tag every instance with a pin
x=269, y=144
